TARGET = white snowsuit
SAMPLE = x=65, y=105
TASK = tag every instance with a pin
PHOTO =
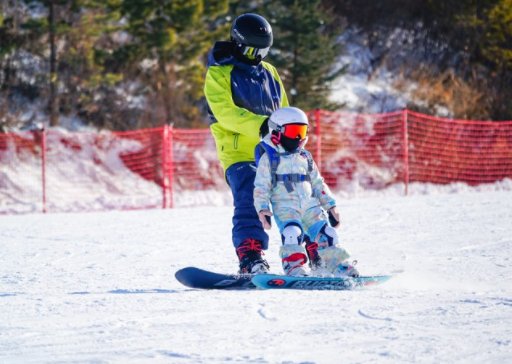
x=304, y=205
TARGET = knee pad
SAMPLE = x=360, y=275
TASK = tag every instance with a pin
x=292, y=234
x=327, y=237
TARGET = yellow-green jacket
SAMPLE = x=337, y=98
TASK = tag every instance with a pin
x=240, y=96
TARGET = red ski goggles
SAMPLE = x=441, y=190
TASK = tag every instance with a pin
x=295, y=131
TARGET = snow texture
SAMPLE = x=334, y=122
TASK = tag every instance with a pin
x=100, y=287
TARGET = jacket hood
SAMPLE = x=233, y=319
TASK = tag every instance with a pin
x=222, y=54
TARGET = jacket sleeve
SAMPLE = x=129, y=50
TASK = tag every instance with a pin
x=262, y=185
x=217, y=89
x=320, y=190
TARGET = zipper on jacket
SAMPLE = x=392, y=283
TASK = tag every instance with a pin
x=235, y=140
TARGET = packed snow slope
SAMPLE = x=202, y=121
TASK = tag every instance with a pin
x=100, y=287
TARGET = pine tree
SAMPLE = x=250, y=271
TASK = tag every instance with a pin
x=20, y=39
x=305, y=51
x=498, y=35
x=168, y=38
x=8, y=42
x=88, y=30
x=483, y=30
x=497, y=48
x=69, y=76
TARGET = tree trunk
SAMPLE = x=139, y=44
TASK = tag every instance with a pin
x=53, y=99
x=167, y=94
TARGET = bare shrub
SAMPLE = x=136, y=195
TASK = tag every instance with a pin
x=446, y=94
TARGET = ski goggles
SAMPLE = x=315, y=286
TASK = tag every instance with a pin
x=253, y=52
x=295, y=131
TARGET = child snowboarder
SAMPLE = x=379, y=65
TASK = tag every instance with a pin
x=288, y=180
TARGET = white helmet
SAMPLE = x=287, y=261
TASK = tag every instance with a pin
x=289, y=127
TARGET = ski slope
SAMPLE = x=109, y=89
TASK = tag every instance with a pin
x=100, y=288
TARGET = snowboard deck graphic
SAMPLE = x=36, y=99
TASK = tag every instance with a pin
x=275, y=281
x=199, y=278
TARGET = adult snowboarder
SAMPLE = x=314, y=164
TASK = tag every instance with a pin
x=242, y=91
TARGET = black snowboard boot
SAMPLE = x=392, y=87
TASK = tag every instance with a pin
x=249, y=255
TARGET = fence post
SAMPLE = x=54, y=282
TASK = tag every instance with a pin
x=405, y=141
x=165, y=136
x=43, y=167
x=170, y=146
x=318, y=146
x=167, y=167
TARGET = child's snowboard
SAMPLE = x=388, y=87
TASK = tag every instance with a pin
x=272, y=281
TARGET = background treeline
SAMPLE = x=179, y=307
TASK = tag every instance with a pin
x=125, y=64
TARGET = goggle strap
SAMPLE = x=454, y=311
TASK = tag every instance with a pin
x=274, y=126
x=276, y=139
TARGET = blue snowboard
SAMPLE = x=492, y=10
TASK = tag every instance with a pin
x=272, y=281
x=198, y=278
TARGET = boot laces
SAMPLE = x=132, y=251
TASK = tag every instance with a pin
x=312, y=249
x=249, y=253
x=249, y=245
x=314, y=257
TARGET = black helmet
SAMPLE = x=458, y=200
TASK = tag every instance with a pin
x=252, y=36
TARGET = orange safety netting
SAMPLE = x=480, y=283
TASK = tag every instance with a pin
x=444, y=151
x=364, y=149
x=58, y=170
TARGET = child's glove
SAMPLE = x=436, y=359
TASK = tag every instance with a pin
x=264, y=216
x=334, y=216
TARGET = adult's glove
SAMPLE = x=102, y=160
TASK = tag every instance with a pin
x=264, y=128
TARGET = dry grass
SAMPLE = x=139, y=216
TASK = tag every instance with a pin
x=437, y=91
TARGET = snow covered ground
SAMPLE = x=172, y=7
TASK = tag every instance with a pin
x=100, y=287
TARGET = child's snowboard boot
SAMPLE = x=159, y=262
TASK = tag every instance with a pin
x=293, y=258
x=335, y=261
x=315, y=262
